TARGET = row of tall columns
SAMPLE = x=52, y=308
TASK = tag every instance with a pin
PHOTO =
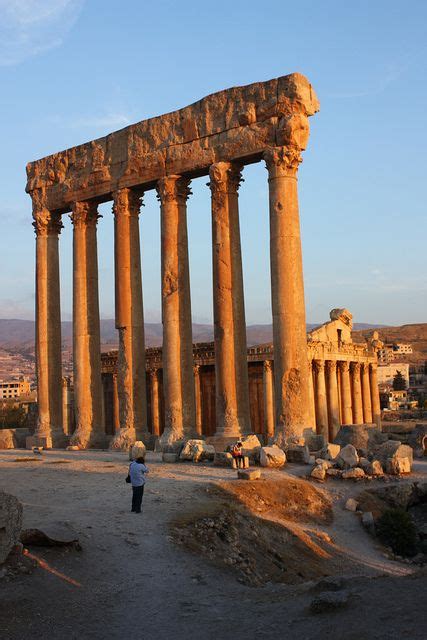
x=293, y=388
x=343, y=393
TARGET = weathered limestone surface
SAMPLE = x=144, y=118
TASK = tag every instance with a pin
x=235, y=123
x=131, y=384
x=86, y=330
x=231, y=369
x=287, y=291
x=48, y=321
x=178, y=377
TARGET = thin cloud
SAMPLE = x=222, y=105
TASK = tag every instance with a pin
x=102, y=121
x=31, y=27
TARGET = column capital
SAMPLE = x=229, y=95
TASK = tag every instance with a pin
x=355, y=367
x=282, y=161
x=319, y=365
x=173, y=189
x=126, y=202
x=331, y=365
x=46, y=223
x=153, y=372
x=225, y=177
x=373, y=366
x=196, y=369
x=267, y=365
x=343, y=365
x=84, y=214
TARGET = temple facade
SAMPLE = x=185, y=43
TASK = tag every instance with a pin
x=343, y=387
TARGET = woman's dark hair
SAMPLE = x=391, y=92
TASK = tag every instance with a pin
x=141, y=460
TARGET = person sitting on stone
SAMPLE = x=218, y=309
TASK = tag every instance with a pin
x=137, y=472
x=237, y=453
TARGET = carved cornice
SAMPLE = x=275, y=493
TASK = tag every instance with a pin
x=173, y=189
x=282, y=161
x=127, y=202
x=84, y=214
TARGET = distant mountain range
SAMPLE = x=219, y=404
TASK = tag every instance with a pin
x=18, y=335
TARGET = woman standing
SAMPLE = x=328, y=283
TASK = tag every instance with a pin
x=137, y=473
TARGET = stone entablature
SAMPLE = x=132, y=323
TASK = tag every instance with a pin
x=234, y=124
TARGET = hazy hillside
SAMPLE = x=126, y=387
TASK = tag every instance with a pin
x=415, y=334
x=18, y=335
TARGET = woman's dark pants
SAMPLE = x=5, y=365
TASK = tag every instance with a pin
x=137, y=493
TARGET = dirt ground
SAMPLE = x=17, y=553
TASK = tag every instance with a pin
x=131, y=579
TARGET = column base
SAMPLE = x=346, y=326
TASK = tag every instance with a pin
x=38, y=441
x=170, y=441
x=123, y=440
x=92, y=440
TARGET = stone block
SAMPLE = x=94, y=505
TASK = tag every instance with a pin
x=249, y=474
x=368, y=521
x=319, y=473
x=361, y=436
x=347, y=457
x=272, y=456
x=38, y=441
x=418, y=440
x=315, y=442
x=7, y=439
x=251, y=446
x=203, y=451
x=189, y=448
x=169, y=457
x=353, y=474
x=393, y=449
x=334, y=473
x=351, y=504
x=375, y=468
x=223, y=459
x=398, y=466
x=10, y=523
x=330, y=451
x=298, y=453
x=326, y=464
x=138, y=450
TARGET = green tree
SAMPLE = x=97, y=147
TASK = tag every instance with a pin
x=399, y=382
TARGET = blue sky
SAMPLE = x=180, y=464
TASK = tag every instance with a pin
x=73, y=70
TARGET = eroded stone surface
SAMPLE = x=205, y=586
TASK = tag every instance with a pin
x=10, y=523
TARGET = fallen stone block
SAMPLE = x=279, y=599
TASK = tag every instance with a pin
x=326, y=464
x=393, y=449
x=169, y=457
x=7, y=439
x=368, y=521
x=319, y=473
x=54, y=534
x=334, y=473
x=351, y=504
x=248, y=474
x=347, y=457
x=315, y=442
x=298, y=453
x=418, y=440
x=375, y=468
x=330, y=451
x=361, y=436
x=329, y=601
x=398, y=466
x=272, y=456
x=251, y=447
x=138, y=450
x=72, y=447
x=353, y=474
x=203, y=451
x=10, y=523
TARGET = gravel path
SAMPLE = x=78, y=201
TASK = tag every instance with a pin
x=134, y=580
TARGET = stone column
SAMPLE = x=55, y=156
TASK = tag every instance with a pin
x=320, y=399
x=198, y=396
x=86, y=330
x=312, y=407
x=129, y=321
x=346, y=411
x=178, y=380
x=333, y=399
x=66, y=405
x=49, y=428
x=155, y=411
x=366, y=394
x=375, y=396
x=356, y=391
x=116, y=409
x=231, y=367
x=268, y=384
x=287, y=296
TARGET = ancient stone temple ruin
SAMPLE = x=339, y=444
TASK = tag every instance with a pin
x=216, y=136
